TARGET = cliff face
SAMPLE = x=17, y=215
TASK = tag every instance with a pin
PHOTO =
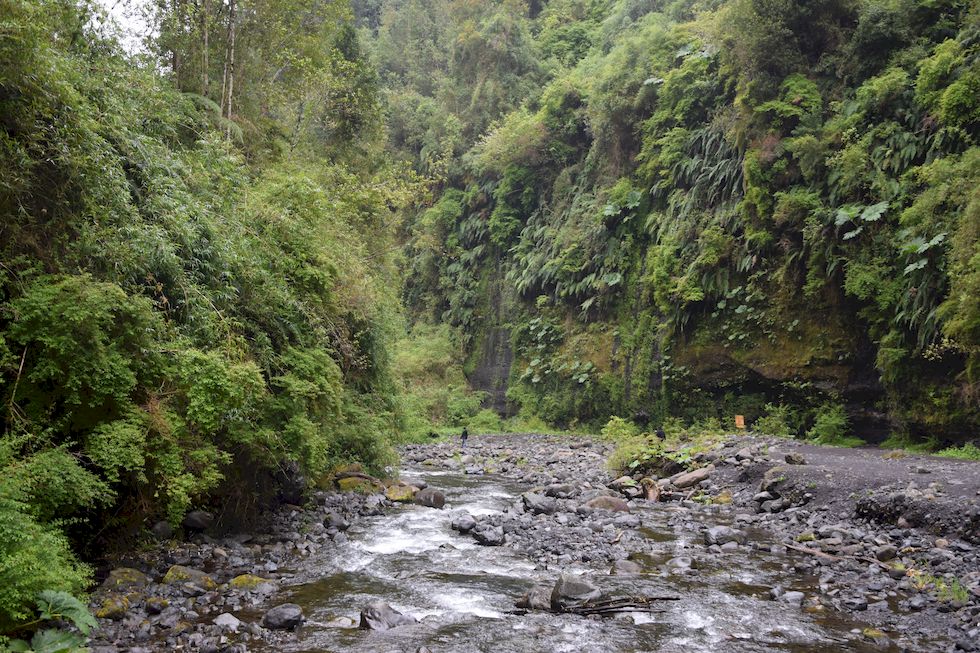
x=699, y=219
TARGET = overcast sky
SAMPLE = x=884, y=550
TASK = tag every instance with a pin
x=128, y=19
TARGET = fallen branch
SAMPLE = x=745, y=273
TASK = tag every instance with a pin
x=828, y=556
x=618, y=605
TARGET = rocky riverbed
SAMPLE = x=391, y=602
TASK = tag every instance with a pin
x=768, y=545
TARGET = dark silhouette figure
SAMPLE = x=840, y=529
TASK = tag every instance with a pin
x=660, y=433
x=466, y=434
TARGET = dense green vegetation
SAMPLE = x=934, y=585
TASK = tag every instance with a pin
x=702, y=209
x=282, y=237
x=194, y=298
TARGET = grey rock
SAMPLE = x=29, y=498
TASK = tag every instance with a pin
x=614, y=504
x=283, y=617
x=792, y=598
x=539, y=504
x=691, y=479
x=162, y=530
x=794, y=458
x=227, y=621
x=198, y=520
x=537, y=598
x=621, y=567
x=571, y=590
x=723, y=534
x=886, y=552
x=430, y=497
x=336, y=520
x=489, y=535
x=464, y=523
x=381, y=616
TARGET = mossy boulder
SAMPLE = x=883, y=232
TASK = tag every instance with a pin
x=114, y=606
x=247, y=581
x=400, y=492
x=180, y=574
x=362, y=483
x=125, y=577
x=156, y=604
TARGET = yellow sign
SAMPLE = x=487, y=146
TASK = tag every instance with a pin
x=740, y=421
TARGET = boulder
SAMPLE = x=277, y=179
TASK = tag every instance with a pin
x=247, y=582
x=198, y=520
x=886, y=552
x=400, y=493
x=381, y=616
x=180, y=574
x=336, y=521
x=794, y=458
x=690, y=479
x=560, y=490
x=227, y=622
x=622, y=483
x=114, y=606
x=614, y=504
x=537, y=598
x=572, y=590
x=125, y=577
x=430, y=497
x=539, y=504
x=283, y=617
x=627, y=567
x=162, y=530
x=488, y=535
x=651, y=491
x=464, y=523
x=722, y=535
x=360, y=483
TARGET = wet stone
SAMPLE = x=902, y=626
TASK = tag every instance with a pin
x=283, y=617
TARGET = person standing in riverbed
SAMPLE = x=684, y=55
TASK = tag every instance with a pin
x=466, y=434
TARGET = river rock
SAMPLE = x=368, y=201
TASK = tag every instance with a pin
x=560, y=490
x=464, y=523
x=723, y=534
x=614, y=504
x=621, y=567
x=336, y=520
x=539, y=504
x=283, y=617
x=691, y=479
x=198, y=520
x=794, y=458
x=381, y=616
x=430, y=497
x=886, y=552
x=125, y=577
x=489, y=535
x=400, y=493
x=537, y=598
x=227, y=622
x=651, y=490
x=571, y=590
x=180, y=574
x=162, y=530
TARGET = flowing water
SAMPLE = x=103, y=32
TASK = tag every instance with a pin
x=463, y=593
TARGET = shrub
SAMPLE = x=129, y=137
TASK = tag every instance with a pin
x=33, y=558
x=618, y=429
x=830, y=427
x=967, y=451
x=486, y=421
x=776, y=421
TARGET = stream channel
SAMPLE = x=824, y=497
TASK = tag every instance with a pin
x=463, y=594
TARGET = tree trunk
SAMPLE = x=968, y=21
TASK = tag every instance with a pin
x=230, y=61
x=205, y=55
